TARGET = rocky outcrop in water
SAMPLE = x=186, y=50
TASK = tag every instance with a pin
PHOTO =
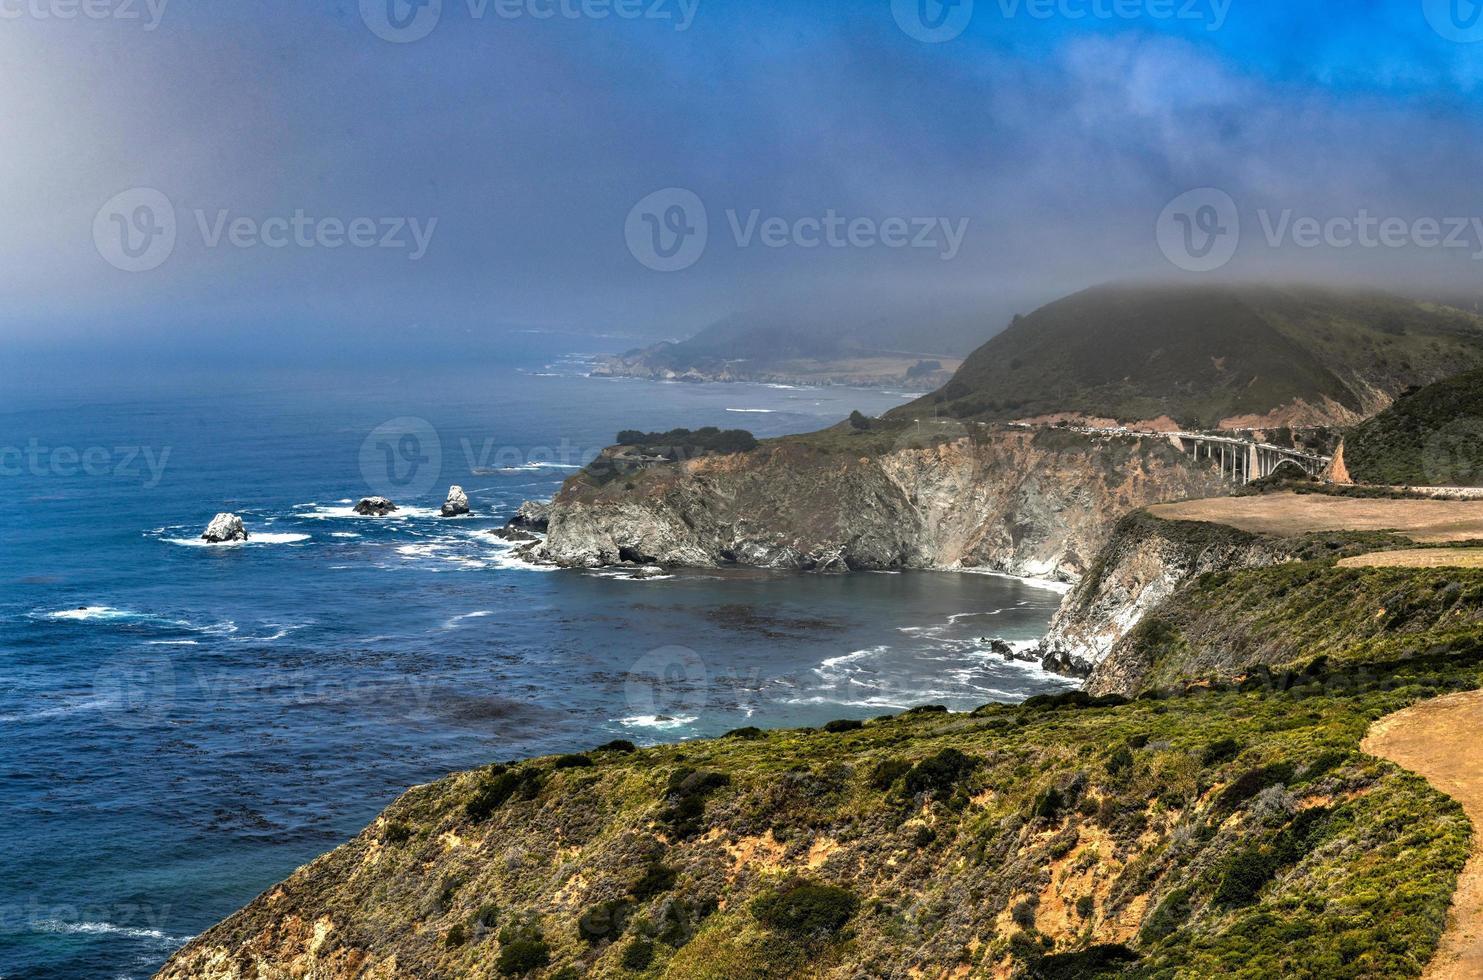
x=1034, y=503
x=457, y=504
x=224, y=528
x=375, y=507
x=533, y=515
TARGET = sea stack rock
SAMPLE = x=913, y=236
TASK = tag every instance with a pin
x=224, y=528
x=457, y=503
x=375, y=507
x=532, y=516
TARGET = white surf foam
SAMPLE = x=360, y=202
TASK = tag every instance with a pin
x=663, y=723
x=109, y=929
x=253, y=538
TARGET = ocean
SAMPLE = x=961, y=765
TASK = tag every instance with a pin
x=182, y=725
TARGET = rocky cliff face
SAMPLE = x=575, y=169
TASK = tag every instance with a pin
x=1010, y=500
x=1146, y=560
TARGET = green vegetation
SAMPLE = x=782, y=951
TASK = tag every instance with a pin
x=521, y=956
x=1431, y=437
x=1222, y=823
x=687, y=444
x=1271, y=626
x=1236, y=832
x=1202, y=354
x=806, y=909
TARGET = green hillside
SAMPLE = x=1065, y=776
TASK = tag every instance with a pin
x=1203, y=354
x=1431, y=437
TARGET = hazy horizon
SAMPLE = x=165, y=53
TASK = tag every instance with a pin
x=501, y=161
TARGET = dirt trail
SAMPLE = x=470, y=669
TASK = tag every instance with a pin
x=1440, y=740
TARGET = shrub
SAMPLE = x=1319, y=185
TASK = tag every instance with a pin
x=1120, y=763
x=887, y=771
x=618, y=745
x=396, y=832
x=926, y=709
x=940, y=773
x=1097, y=961
x=521, y=956
x=604, y=921
x=500, y=787
x=805, y=909
x=750, y=732
x=1324, y=764
x=1048, y=804
x=572, y=762
x=683, y=443
x=1252, y=783
x=637, y=955
x=487, y=917
x=456, y=936
x=686, y=795
x=1222, y=751
x=656, y=879
x=1244, y=875
x=1171, y=913
x=1023, y=915
x=843, y=725
x=1086, y=905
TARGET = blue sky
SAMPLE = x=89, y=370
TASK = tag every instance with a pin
x=521, y=143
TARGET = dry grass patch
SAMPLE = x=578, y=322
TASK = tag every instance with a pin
x=1289, y=514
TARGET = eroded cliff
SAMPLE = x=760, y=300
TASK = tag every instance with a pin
x=1035, y=503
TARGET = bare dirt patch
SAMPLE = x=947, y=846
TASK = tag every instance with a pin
x=1422, y=558
x=1438, y=740
x=1423, y=521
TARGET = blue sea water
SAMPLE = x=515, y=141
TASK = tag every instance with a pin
x=182, y=725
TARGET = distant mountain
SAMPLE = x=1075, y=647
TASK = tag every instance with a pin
x=1429, y=437
x=921, y=349
x=1211, y=356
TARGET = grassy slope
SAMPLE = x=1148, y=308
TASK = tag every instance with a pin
x=1227, y=833
x=1202, y=354
x=1433, y=437
x=1221, y=626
